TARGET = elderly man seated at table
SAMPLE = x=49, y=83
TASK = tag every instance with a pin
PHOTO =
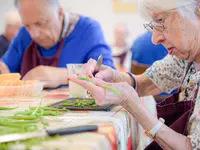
x=12, y=26
x=49, y=40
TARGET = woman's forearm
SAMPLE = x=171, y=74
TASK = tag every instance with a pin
x=144, y=87
x=165, y=137
x=122, y=77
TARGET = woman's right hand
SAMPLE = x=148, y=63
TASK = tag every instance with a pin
x=105, y=73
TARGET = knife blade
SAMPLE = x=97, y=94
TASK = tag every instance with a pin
x=62, y=131
x=98, y=65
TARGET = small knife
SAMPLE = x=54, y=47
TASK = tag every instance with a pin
x=98, y=65
x=62, y=131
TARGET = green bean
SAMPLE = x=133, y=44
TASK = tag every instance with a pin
x=8, y=108
x=26, y=112
x=11, y=131
x=66, y=104
x=104, y=86
x=25, y=127
x=111, y=89
x=21, y=122
x=35, y=111
x=5, y=117
x=25, y=117
x=94, y=105
x=42, y=112
x=50, y=113
x=82, y=78
x=86, y=79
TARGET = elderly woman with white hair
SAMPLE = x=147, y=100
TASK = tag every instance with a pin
x=176, y=25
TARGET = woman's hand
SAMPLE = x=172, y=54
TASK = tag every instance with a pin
x=104, y=96
x=106, y=73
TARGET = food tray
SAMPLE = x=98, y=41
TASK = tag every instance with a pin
x=94, y=108
x=22, y=90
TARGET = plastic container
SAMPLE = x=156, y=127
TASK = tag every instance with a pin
x=76, y=90
x=23, y=90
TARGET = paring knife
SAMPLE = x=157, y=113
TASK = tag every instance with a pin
x=62, y=131
x=98, y=65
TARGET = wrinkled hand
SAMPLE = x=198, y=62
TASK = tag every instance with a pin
x=52, y=77
x=105, y=73
x=103, y=96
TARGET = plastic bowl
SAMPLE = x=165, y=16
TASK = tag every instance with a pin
x=23, y=90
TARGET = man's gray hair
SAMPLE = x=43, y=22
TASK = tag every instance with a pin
x=55, y=3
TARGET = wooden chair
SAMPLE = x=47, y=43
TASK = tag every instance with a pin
x=138, y=69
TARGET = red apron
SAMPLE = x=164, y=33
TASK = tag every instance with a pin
x=176, y=114
x=32, y=58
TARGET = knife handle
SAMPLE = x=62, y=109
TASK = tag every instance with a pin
x=72, y=130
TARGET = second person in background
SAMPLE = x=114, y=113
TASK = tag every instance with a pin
x=50, y=39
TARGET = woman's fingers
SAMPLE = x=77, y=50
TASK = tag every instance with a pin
x=89, y=67
x=100, y=82
x=87, y=85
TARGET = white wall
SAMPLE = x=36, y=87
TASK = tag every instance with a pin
x=5, y=5
x=100, y=10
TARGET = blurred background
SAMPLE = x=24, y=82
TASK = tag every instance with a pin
x=122, y=26
x=101, y=10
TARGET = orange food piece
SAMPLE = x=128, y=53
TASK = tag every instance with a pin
x=13, y=79
x=10, y=76
x=11, y=85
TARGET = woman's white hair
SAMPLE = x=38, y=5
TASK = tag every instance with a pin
x=186, y=8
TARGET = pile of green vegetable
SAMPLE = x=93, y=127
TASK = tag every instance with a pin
x=26, y=121
x=80, y=103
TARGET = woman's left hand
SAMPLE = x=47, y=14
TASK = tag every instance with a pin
x=103, y=96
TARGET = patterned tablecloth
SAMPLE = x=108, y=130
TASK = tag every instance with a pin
x=114, y=126
x=117, y=130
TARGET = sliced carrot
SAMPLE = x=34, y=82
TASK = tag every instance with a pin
x=10, y=76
